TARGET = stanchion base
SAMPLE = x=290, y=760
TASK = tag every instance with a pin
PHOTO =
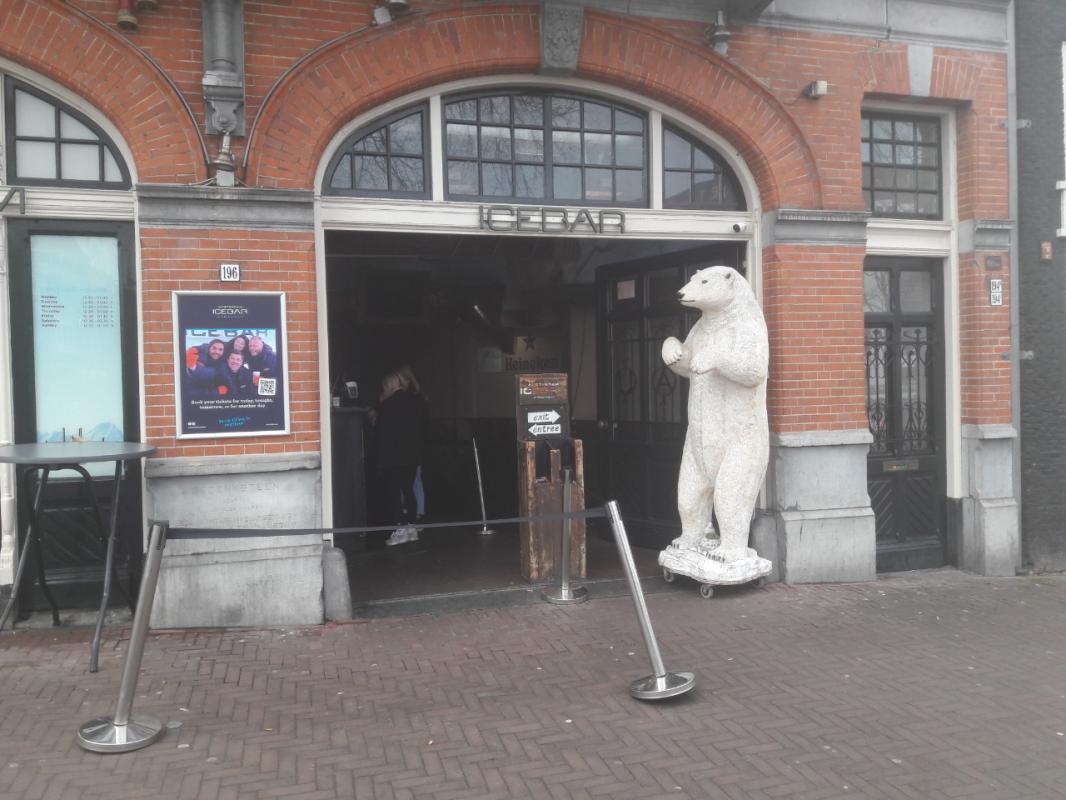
x=659, y=688
x=102, y=735
x=556, y=595
x=486, y=531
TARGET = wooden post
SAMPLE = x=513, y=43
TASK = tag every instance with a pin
x=540, y=541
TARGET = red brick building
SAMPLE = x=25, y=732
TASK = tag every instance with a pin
x=479, y=189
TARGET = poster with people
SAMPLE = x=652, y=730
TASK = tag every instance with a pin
x=230, y=363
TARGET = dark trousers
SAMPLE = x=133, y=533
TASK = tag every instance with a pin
x=400, y=486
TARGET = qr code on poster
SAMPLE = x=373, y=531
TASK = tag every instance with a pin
x=268, y=387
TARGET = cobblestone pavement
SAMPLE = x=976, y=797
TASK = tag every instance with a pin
x=928, y=685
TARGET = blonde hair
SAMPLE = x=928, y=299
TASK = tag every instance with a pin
x=410, y=382
x=391, y=384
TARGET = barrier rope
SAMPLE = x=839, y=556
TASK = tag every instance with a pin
x=230, y=533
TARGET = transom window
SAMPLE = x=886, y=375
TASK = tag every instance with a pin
x=695, y=177
x=532, y=146
x=388, y=158
x=901, y=166
x=545, y=147
x=50, y=143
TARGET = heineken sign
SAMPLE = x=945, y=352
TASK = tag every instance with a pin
x=536, y=219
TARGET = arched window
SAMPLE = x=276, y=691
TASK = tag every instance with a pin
x=49, y=143
x=695, y=177
x=389, y=157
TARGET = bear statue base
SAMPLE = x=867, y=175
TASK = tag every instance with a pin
x=702, y=562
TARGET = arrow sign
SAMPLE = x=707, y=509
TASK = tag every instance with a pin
x=542, y=416
x=545, y=430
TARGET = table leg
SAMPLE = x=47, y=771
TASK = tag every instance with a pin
x=31, y=534
x=109, y=558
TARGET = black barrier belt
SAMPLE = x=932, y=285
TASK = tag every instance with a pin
x=217, y=533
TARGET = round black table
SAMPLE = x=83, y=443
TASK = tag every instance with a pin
x=51, y=457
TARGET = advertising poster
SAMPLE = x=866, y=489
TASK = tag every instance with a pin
x=230, y=364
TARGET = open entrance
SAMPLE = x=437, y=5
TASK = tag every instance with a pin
x=467, y=314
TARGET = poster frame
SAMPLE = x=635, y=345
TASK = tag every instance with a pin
x=177, y=353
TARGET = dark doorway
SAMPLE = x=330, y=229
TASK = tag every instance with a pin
x=905, y=408
x=643, y=409
x=75, y=378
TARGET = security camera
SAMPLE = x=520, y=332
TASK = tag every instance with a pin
x=740, y=227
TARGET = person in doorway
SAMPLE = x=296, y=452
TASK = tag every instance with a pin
x=411, y=384
x=401, y=417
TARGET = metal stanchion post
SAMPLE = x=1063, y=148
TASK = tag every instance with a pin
x=662, y=684
x=563, y=594
x=125, y=731
x=485, y=530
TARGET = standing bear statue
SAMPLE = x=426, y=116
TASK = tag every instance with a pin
x=727, y=444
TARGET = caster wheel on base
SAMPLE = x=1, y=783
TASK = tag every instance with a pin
x=668, y=576
x=706, y=591
x=758, y=583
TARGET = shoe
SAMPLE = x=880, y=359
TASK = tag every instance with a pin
x=398, y=536
x=412, y=533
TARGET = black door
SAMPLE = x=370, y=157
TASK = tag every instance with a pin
x=74, y=363
x=642, y=404
x=905, y=409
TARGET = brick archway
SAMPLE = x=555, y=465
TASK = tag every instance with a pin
x=361, y=72
x=77, y=51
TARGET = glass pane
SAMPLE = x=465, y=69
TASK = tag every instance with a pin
x=868, y=201
x=370, y=172
x=529, y=110
x=882, y=154
x=677, y=151
x=865, y=152
x=664, y=387
x=496, y=143
x=528, y=144
x=33, y=116
x=929, y=205
x=624, y=355
x=865, y=130
x=882, y=129
x=112, y=173
x=567, y=183
x=597, y=117
x=915, y=291
x=914, y=388
x=496, y=180
x=662, y=286
x=732, y=196
x=462, y=177
x=462, y=140
x=405, y=135
x=878, y=399
x=371, y=143
x=904, y=131
x=80, y=162
x=599, y=184
x=883, y=177
x=677, y=189
x=928, y=132
x=76, y=312
x=906, y=203
x=905, y=155
x=35, y=159
x=701, y=159
x=706, y=190
x=406, y=174
x=342, y=175
x=566, y=147
x=495, y=109
x=629, y=150
x=598, y=148
x=630, y=123
x=875, y=291
x=906, y=179
x=928, y=181
x=566, y=112
x=464, y=110
x=629, y=185
x=866, y=176
x=927, y=156
x=884, y=202
x=70, y=128
x=529, y=181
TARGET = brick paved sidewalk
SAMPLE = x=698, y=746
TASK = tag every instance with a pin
x=933, y=685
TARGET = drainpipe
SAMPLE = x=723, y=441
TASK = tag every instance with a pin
x=223, y=79
x=1015, y=310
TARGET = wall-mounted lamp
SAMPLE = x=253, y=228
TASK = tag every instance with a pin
x=816, y=89
x=718, y=34
x=397, y=6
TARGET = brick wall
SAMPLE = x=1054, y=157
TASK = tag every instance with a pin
x=181, y=259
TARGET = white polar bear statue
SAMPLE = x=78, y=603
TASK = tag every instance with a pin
x=727, y=444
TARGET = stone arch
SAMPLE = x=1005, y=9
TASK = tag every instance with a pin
x=77, y=51
x=357, y=73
